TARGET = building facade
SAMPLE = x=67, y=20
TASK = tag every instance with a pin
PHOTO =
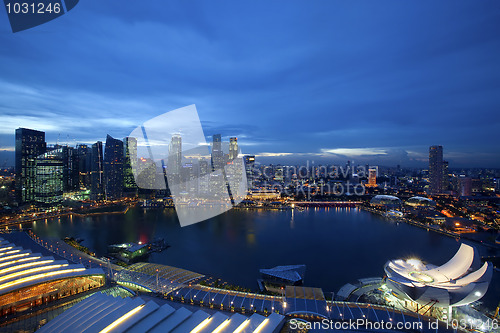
x=29, y=145
x=49, y=186
x=129, y=162
x=96, y=173
x=113, y=168
x=436, y=169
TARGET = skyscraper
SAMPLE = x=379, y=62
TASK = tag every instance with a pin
x=130, y=161
x=113, y=168
x=372, y=177
x=203, y=181
x=436, y=169
x=249, y=168
x=49, y=186
x=84, y=155
x=446, y=177
x=465, y=186
x=217, y=153
x=70, y=171
x=174, y=163
x=96, y=173
x=29, y=145
x=233, y=148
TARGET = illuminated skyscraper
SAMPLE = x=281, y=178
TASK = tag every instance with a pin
x=217, y=153
x=372, y=177
x=130, y=160
x=174, y=163
x=84, y=156
x=279, y=173
x=436, y=169
x=50, y=177
x=29, y=145
x=465, y=186
x=70, y=172
x=446, y=177
x=96, y=173
x=249, y=168
x=203, y=181
x=233, y=148
x=113, y=168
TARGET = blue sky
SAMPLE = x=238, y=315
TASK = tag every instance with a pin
x=369, y=81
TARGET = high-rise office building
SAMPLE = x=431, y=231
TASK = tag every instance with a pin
x=29, y=145
x=249, y=168
x=279, y=174
x=50, y=184
x=217, y=153
x=465, y=186
x=84, y=156
x=113, y=168
x=96, y=173
x=203, y=181
x=189, y=178
x=436, y=169
x=446, y=177
x=372, y=177
x=233, y=148
x=129, y=162
x=174, y=163
x=70, y=171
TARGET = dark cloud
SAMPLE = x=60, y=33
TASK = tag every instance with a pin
x=294, y=77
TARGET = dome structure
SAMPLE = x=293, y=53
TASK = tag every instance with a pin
x=387, y=201
x=460, y=281
x=420, y=202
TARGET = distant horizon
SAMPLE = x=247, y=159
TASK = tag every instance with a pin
x=285, y=159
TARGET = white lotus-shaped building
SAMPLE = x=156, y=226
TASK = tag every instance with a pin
x=460, y=281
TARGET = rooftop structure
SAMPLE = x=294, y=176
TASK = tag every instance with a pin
x=387, y=201
x=458, y=282
x=420, y=202
x=103, y=313
x=29, y=279
x=292, y=274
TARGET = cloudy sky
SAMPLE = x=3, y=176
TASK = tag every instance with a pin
x=369, y=81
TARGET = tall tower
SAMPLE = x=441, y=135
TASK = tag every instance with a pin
x=130, y=161
x=96, y=172
x=174, y=163
x=84, y=155
x=249, y=161
x=50, y=182
x=217, y=153
x=436, y=169
x=372, y=177
x=113, y=168
x=446, y=176
x=233, y=148
x=29, y=145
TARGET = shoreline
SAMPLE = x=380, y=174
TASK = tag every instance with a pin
x=428, y=228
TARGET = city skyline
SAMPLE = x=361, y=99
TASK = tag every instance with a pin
x=372, y=83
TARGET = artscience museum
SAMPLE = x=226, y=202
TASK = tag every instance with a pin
x=460, y=281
